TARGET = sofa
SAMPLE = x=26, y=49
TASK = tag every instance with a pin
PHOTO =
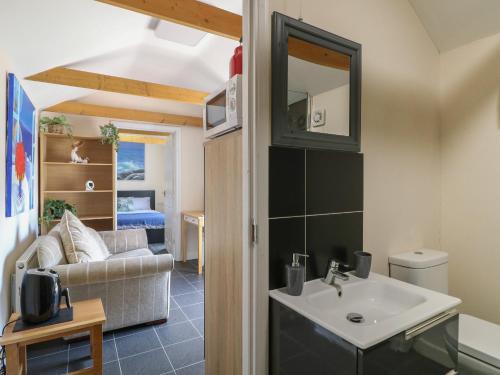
x=133, y=283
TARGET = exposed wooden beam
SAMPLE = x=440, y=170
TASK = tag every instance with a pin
x=316, y=54
x=190, y=13
x=77, y=108
x=95, y=81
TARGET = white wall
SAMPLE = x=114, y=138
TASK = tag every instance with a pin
x=470, y=97
x=400, y=119
x=16, y=233
x=336, y=105
x=155, y=174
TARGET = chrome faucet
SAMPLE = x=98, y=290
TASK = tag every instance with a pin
x=332, y=273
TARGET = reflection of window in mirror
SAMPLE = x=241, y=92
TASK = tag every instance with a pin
x=318, y=88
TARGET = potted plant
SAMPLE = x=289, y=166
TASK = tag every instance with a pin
x=56, y=125
x=54, y=209
x=110, y=136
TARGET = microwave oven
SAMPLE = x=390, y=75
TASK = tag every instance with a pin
x=222, y=111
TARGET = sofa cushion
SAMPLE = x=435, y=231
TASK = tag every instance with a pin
x=79, y=242
x=131, y=254
x=100, y=241
x=50, y=250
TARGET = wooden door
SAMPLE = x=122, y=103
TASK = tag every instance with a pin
x=223, y=247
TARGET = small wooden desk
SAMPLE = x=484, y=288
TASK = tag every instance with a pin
x=195, y=218
x=87, y=316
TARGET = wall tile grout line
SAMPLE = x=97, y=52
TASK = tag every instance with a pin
x=313, y=215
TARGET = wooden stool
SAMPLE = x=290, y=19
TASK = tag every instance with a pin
x=87, y=316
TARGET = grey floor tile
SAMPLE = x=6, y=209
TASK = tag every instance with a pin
x=199, y=285
x=79, y=358
x=196, y=369
x=176, y=316
x=54, y=364
x=186, y=353
x=176, y=333
x=194, y=311
x=189, y=299
x=194, y=277
x=138, y=343
x=49, y=347
x=112, y=368
x=151, y=363
x=180, y=286
x=132, y=330
x=200, y=325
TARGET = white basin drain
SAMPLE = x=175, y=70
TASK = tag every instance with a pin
x=355, y=318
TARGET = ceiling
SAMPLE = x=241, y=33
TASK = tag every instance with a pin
x=96, y=37
x=453, y=23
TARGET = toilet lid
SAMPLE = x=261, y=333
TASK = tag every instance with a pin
x=479, y=339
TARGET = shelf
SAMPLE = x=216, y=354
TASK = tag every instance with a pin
x=76, y=164
x=85, y=218
x=75, y=191
x=54, y=135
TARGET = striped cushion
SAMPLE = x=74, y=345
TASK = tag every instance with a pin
x=50, y=251
x=79, y=243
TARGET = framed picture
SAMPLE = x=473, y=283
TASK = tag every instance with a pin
x=20, y=149
x=131, y=161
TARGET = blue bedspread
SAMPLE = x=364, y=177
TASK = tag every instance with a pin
x=141, y=219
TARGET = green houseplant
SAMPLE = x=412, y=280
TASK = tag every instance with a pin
x=56, y=125
x=110, y=135
x=54, y=209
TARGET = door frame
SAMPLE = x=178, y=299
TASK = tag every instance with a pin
x=176, y=134
x=256, y=142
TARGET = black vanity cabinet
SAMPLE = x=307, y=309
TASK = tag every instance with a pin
x=299, y=346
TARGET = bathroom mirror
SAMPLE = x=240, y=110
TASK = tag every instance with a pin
x=316, y=87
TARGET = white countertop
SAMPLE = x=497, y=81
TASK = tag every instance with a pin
x=389, y=306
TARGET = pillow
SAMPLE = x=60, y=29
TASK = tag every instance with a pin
x=100, y=242
x=142, y=203
x=79, y=243
x=124, y=204
x=50, y=251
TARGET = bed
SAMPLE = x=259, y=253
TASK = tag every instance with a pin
x=136, y=209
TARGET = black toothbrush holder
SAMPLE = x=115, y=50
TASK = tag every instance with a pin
x=363, y=264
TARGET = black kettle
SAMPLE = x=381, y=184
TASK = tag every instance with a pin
x=41, y=295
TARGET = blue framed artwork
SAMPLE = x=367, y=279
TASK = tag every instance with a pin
x=20, y=149
x=131, y=161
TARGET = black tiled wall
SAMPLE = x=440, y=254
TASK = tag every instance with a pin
x=315, y=208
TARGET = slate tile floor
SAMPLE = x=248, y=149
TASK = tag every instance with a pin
x=176, y=347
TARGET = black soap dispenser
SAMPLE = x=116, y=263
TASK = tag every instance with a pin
x=295, y=275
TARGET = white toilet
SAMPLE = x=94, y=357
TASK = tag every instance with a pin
x=479, y=340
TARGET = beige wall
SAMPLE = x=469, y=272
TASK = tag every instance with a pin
x=400, y=119
x=470, y=87
x=16, y=233
x=154, y=176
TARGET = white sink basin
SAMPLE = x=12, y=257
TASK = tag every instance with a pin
x=375, y=301
x=388, y=307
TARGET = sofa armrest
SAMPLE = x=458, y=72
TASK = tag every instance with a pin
x=113, y=269
x=119, y=241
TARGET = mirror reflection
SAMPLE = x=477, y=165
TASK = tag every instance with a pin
x=318, y=88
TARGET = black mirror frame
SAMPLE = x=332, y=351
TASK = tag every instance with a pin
x=284, y=26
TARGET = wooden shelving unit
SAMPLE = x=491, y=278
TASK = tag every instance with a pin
x=61, y=179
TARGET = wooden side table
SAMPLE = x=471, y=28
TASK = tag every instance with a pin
x=88, y=316
x=196, y=218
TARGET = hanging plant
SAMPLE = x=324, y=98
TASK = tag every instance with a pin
x=110, y=135
x=54, y=209
x=55, y=125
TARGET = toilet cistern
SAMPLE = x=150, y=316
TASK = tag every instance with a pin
x=332, y=273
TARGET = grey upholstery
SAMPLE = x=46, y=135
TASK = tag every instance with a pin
x=133, y=284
